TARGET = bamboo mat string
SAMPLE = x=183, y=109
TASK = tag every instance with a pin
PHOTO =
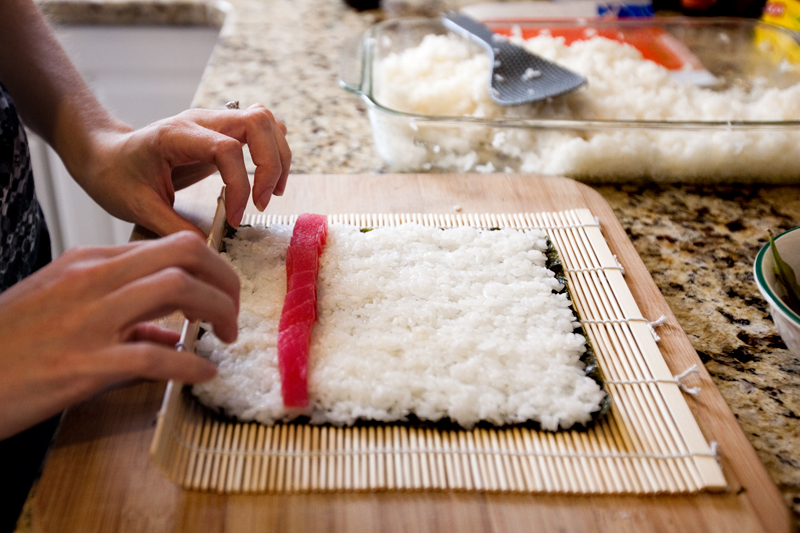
x=678, y=380
x=601, y=268
x=619, y=264
x=652, y=325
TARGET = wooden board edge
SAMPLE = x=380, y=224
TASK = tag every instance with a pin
x=711, y=411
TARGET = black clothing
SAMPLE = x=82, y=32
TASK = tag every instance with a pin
x=21, y=218
x=24, y=248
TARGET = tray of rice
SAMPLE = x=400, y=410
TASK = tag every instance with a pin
x=676, y=100
x=429, y=352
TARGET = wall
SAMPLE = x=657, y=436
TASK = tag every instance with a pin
x=142, y=74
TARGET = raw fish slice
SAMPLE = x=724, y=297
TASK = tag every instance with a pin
x=302, y=313
x=298, y=297
x=322, y=234
x=300, y=306
x=310, y=229
x=307, y=224
x=293, y=364
x=301, y=259
x=301, y=279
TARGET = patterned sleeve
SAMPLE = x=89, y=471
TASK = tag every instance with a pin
x=22, y=227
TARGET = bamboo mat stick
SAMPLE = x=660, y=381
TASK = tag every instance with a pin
x=452, y=466
x=325, y=461
x=259, y=482
x=347, y=467
x=191, y=475
x=338, y=434
x=234, y=458
x=281, y=466
x=372, y=458
x=604, y=311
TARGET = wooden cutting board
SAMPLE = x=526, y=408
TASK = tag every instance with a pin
x=99, y=476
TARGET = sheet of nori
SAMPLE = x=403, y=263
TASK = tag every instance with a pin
x=589, y=358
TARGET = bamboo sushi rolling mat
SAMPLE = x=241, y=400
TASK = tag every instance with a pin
x=649, y=442
x=99, y=476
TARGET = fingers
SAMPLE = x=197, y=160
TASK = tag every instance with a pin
x=153, y=162
x=187, y=139
x=169, y=290
x=181, y=250
x=265, y=136
x=96, y=272
x=152, y=361
x=281, y=125
x=186, y=175
x=280, y=187
x=270, y=152
x=162, y=219
x=148, y=332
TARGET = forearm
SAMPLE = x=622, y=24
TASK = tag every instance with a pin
x=50, y=94
x=134, y=174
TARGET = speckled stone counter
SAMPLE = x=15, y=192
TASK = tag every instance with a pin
x=698, y=243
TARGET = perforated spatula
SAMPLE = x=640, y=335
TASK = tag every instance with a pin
x=518, y=77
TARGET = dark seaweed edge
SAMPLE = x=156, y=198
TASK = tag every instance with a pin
x=410, y=421
x=229, y=232
x=588, y=358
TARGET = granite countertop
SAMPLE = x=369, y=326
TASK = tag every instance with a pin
x=698, y=242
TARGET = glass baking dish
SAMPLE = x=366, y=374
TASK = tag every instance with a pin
x=738, y=60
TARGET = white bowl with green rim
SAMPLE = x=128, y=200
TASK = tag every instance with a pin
x=787, y=321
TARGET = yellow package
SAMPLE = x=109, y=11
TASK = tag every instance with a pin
x=784, y=13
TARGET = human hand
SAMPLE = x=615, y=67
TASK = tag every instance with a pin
x=134, y=174
x=78, y=325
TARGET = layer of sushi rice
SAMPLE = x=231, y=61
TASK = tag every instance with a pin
x=460, y=324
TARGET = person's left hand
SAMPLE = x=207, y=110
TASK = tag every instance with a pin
x=80, y=324
x=134, y=174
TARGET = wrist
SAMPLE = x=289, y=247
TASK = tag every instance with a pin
x=86, y=152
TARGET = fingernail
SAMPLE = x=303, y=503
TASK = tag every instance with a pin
x=232, y=334
x=263, y=201
x=209, y=370
x=237, y=218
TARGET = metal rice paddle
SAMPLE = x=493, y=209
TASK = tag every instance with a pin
x=518, y=77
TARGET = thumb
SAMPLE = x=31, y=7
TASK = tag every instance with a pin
x=162, y=219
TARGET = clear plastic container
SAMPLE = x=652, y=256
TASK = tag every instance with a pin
x=733, y=57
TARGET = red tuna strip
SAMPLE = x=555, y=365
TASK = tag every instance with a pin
x=293, y=364
x=301, y=258
x=310, y=229
x=301, y=279
x=299, y=297
x=300, y=307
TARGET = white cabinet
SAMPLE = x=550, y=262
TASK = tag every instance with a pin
x=142, y=74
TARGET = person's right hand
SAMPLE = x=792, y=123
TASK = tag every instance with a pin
x=134, y=174
x=79, y=324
